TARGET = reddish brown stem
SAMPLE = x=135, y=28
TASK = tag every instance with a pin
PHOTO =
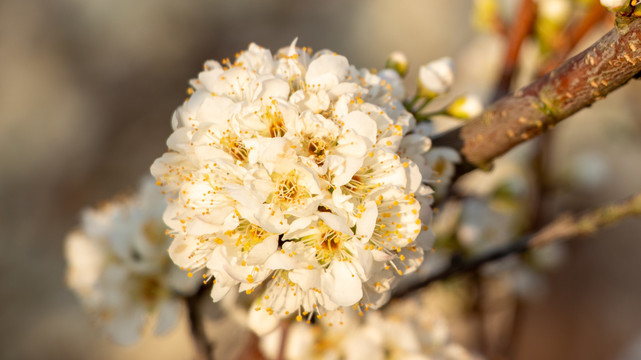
x=520, y=29
x=571, y=37
x=204, y=349
x=587, y=77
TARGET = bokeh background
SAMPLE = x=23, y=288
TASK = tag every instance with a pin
x=87, y=89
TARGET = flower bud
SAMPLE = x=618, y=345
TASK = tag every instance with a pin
x=615, y=5
x=435, y=78
x=397, y=61
x=465, y=107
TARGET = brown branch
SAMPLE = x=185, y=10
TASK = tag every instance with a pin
x=520, y=29
x=564, y=228
x=587, y=77
x=204, y=349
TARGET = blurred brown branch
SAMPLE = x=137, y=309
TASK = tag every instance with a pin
x=587, y=77
x=563, y=228
x=204, y=349
x=521, y=27
x=572, y=35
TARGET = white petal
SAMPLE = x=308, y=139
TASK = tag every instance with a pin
x=367, y=222
x=260, y=321
x=361, y=123
x=327, y=70
x=168, y=315
x=336, y=222
x=341, y=284
x=260, y=252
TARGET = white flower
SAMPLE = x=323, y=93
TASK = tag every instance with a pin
x=118, y=266
x=555, y=11
x=436, y=77
x=405, y=330
x=287, y=171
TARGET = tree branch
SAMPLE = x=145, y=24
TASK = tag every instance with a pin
x=587, y=77
x=520, y=29
x=204, y=349
x=563, y=228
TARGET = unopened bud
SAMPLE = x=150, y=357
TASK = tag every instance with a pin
x=397, y=61
x=465, y=107
x=435, y=78
x=615, y=5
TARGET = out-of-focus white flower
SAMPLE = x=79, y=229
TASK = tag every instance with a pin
x=494, y=211
x=397, y=61
x=587, y=170
x=406, y=330
x=465, y=107
x=555, y=10
x=437, y=165
x=118, y=266
x=436, y=77
x=615, y=5
x=287, y=171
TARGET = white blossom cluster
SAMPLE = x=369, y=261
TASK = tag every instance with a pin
x=290, y=171
x=119, y=267
x=405, y=330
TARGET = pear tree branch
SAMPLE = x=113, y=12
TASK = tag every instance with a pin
x=203, y=348
x=564, y=227
x=587, y=77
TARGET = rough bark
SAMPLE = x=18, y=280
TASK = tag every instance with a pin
x=587, y=77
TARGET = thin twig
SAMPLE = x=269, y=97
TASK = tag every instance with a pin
x=587, y=77
x=571, y=37
x=520, y=29
x=204, y=349
x=478, y=308
x=563, y=228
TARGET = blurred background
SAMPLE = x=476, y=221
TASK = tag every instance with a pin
x=87, y=89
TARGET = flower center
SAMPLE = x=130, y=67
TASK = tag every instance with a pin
x=360, y=184
x=275, y=123
x=289, y=190
x=328, y=243
x=249, y=235
x=235, y=147
x=317, y=148
x=154, y=232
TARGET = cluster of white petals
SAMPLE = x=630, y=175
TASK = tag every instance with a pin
x=287, y=172
x=406, y=330
x=118, y=266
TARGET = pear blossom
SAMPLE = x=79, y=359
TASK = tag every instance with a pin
x=286, y=174
x=117, y=264
x=405, y=330
x=556, y=11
